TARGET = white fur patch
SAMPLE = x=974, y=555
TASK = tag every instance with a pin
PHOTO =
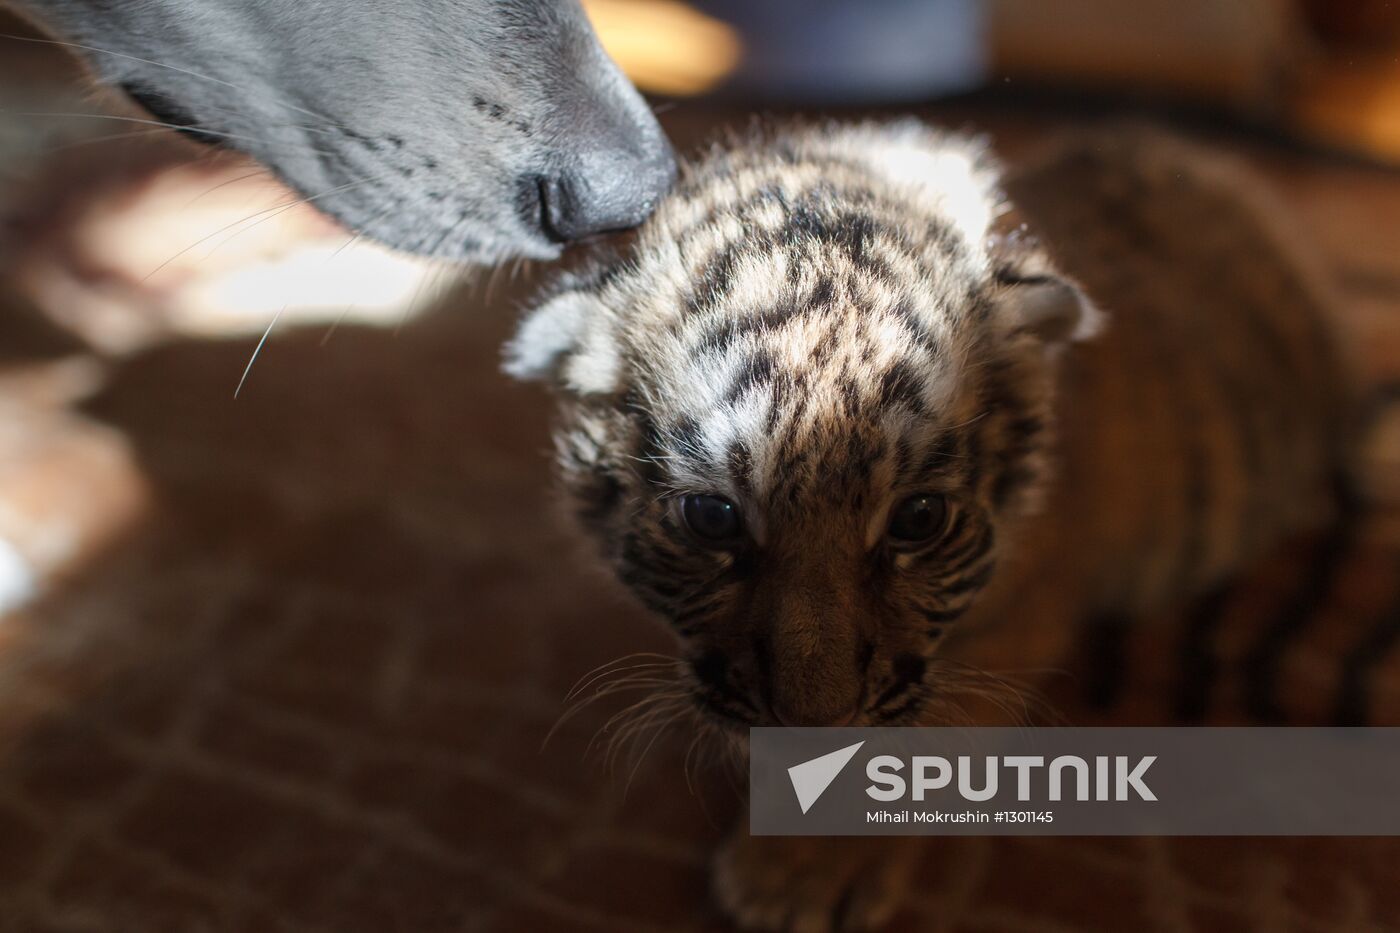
x=947, y=177
x=548, y=333
x=945, y=173
x=594, y=369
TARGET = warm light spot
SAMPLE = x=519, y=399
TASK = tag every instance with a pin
x=69, y=486
x=16, y=578
x=312, y=282
x=1355, y=105
x=664, y=46
x=205, y=251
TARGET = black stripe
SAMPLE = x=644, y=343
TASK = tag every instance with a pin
x=1353, y=704
x=914, y=324
x=974, y=582
x=904, y=708
x=1105, y=639
x=1261, y=665
x=599, y=497
x=944, y=456
x=973, y=549
x=901, y=385
x=1199, y=666
x=756, y=369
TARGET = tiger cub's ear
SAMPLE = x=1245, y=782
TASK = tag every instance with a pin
x=1049, y=306
x=1032, y=295
x=566, y=341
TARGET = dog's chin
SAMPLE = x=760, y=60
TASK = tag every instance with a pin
x=432, y=232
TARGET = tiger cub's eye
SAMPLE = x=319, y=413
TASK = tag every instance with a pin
x=712, y=518
x=918, y=519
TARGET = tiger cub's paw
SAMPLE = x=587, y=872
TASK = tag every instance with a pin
x=809, y=884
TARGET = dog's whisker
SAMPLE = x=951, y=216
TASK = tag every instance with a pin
x=143, y=121
x=224, y=184
x=321, y=118
x=95, y=140
x=326, y=129
x=274, y=211
x=101, y=51
x=258, y=349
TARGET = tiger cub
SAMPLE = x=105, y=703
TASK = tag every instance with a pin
x=853, y=425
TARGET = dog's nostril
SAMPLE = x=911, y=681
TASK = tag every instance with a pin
x=548, y=209
x=572, y=207
x=604, y=192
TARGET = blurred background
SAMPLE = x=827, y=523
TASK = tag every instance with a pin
x=280, y=646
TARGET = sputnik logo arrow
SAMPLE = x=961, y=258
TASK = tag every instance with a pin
x=811, y=778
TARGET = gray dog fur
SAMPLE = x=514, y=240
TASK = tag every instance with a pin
x=469, y=129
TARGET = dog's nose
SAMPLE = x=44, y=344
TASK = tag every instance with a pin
x=606, y=190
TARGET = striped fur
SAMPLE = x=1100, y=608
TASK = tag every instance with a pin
x=823, y=321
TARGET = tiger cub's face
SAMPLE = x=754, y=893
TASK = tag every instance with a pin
x=802, y=412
